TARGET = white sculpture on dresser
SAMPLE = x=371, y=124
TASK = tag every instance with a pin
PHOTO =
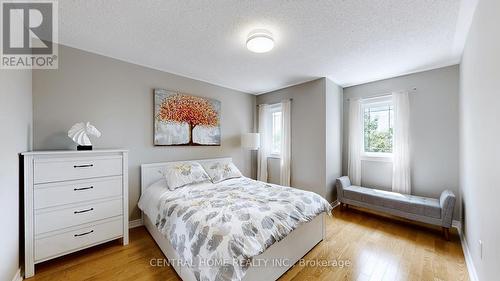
x=80, y=132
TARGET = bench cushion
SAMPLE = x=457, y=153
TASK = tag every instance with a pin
x=407, y=203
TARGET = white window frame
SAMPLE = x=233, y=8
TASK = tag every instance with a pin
x=373, y=156
x=273, y=108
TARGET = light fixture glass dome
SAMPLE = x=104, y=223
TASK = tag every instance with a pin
x=260, y=41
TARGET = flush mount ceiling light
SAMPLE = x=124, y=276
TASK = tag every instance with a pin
x=260, y=41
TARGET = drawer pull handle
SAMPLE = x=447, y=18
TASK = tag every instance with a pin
x=82, y=188
x=85, y=233
x=84, y=166
x=83, y=211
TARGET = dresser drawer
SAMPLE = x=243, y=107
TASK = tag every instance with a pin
x=62, y=243
x=76, y=214
x=61, y=193
x=63, y=169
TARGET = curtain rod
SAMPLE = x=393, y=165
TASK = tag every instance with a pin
x=290, y=99
x=388, y=93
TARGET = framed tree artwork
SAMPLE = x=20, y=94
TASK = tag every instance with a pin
x=182, y=119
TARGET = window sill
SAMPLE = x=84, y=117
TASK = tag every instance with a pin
x=377, y=158
x=273, y=156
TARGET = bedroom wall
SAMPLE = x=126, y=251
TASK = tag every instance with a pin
x=273, y=170
x=15, y=125
x=479, y=135
x=334, y=131
x=117, y=97
x=309, y=134
x=433, y=133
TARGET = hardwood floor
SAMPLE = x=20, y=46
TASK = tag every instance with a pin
x=372, y=247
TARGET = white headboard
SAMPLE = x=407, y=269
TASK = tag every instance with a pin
x=151, y=173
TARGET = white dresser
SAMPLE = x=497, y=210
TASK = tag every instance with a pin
x=73, y=200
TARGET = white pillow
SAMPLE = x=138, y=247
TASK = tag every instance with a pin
x=184, y=173
x=148, y=202
x=221, y=170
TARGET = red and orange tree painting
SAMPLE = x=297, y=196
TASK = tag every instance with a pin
x=188, y=109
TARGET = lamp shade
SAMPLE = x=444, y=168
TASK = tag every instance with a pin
x=250, y=141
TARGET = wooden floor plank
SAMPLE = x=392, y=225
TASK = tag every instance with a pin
x=372, y=247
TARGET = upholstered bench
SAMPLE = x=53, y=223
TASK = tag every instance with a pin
x=427, y=210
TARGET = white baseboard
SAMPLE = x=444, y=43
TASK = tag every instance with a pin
x=17, y=276
x=135, y=223
x=468, y=258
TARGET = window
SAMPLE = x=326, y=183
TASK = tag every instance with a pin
x=378, y=121
x=275, y=130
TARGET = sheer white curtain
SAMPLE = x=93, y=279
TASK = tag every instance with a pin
x=355, y=141
x=265, y=145
x=285, y=142
x=401, y=177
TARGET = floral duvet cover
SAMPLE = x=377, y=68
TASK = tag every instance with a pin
x=217, y=229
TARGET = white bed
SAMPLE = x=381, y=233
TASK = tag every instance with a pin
x=292, y=248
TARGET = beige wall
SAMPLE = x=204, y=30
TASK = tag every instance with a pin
x=15, y=125
x=433, y=132
x=309, y=134
x=479, y=139
x=117, y=97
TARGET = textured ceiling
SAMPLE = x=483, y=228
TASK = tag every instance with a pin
x=349, y=41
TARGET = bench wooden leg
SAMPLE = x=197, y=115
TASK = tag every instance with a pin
x=446, y=233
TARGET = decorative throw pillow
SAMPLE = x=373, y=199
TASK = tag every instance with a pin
x=184, y=173
x=221, y=170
